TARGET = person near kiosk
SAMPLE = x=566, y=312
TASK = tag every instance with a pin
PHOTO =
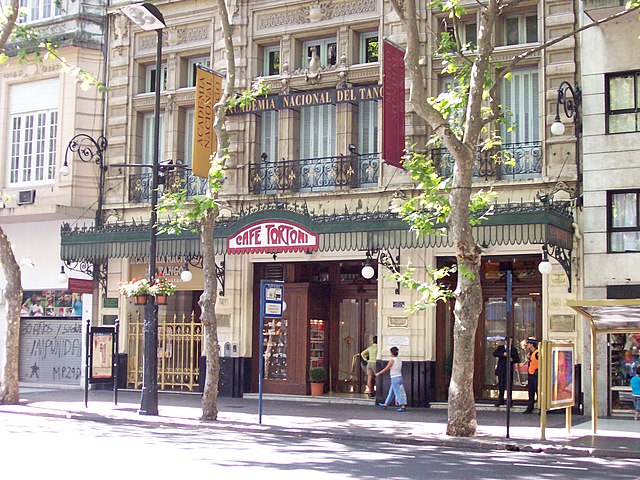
x=533, y=363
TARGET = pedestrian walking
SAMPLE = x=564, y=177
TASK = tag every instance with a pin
x=532, y=371
x=394, y=367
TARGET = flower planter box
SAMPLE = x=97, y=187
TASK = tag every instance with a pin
x=161, y=299
x=141, y=299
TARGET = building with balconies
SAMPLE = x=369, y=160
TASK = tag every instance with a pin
x=308, y=158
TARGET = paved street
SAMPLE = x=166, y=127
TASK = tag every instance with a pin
x=40, y=447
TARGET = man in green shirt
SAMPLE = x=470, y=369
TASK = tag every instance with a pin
x=370, y=354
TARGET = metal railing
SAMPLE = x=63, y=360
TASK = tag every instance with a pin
x=179, y=350
x=510, y=161
x=314, y=174
x=140, y=185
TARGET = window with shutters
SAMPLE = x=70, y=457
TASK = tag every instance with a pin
x=269, y=134
x=189, y=114
x=318, y=131
x=33, y=139
x=150, y=78
x=623, y=102
x=520, y=101
x=326, y=51
x=368, y=127
x=148, y=136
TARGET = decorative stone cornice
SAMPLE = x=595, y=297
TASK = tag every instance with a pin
x=309, y=13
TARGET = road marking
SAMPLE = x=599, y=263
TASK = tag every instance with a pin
x=566, y=467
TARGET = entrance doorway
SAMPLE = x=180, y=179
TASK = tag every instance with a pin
x=526, y=322
x=331, y=317
x=357, y=324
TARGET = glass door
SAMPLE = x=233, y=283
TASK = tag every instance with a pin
x=357, y=325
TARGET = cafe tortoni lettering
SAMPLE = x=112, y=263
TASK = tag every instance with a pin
x=318, y=97
x=273, y=237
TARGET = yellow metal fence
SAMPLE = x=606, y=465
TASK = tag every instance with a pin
x=179, y=350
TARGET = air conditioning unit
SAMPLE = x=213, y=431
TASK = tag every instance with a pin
x=26, y=197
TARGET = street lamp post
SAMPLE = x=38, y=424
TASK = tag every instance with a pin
x=148, y=17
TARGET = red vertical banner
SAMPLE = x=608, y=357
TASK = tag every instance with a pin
x=393, y=130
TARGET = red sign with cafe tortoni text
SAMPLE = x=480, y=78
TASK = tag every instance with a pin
x=273, y=236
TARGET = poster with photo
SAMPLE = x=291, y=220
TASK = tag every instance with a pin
x=101, y=354
x=562, y=381
x=51, y=303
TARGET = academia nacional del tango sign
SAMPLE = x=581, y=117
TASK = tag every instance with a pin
x=273, y=236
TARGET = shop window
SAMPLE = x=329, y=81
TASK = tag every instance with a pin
x=271, y=61
x=521, y=29
x=623, y=221
x=269, y=134
x=623, y=102
x=369, y=47
x=192, y=66
x=623, y=362
x=148, y=136
x=150, y=78
x=368, y=127
x=326, y=50
x=275, y=349
x=318, y=131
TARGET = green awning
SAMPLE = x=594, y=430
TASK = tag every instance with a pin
x=507, y=224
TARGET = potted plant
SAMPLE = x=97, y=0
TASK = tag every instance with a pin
x=138, y=288
x=317, y=377
x=161, y=289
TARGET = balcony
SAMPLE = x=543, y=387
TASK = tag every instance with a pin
x=322, y=174
x=140, y=185
x=521, y=161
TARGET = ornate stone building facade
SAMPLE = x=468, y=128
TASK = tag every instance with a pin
x=309, y=156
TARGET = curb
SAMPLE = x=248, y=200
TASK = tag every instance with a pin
x=474, y=443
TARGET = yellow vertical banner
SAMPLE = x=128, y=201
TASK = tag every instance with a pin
x=208, y=93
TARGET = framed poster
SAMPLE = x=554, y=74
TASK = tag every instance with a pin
x=101, y=351
x=562, y=384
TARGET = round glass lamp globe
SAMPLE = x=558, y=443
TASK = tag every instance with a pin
x=186, y=276
x=545, y=267
x=367, y=272
x=65, y=170
x=557, y=128
x=62, y=277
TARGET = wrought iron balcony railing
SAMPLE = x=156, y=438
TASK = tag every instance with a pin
x=510, y=161
x=140, y=185
x=314, y=174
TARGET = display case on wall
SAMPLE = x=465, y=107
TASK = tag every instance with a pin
x=275, y=349
x=316, y=343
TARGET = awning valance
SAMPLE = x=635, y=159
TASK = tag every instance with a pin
x=506, y=224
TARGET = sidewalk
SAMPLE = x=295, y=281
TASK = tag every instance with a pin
x=342, y=417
